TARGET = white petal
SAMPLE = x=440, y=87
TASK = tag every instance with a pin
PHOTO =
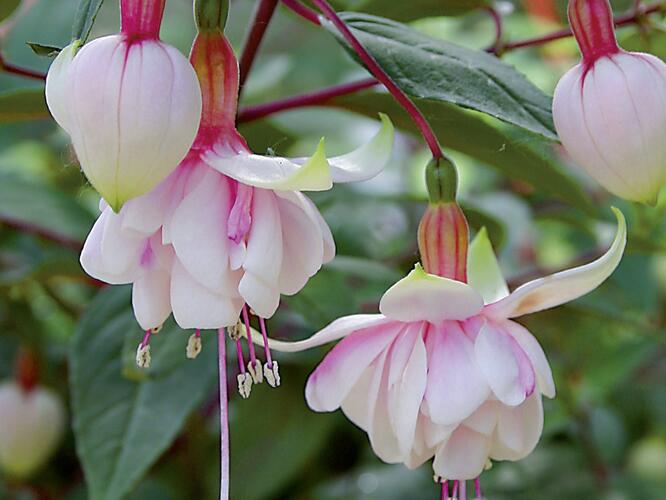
x=463, y=457
x=58, y=86
x=383, y=439
x=195, y=306
x=263, y=258
x=336, y=330
x=507, y=368
x=407, y=384
x=342, y=367
x=368, y=160
x=564, y=286
x=536, y=355
x=199, y=234
x=456, y=386
x=272, y=172
x=425, y=297
x=484, y=420
x=303, y=246
x=518, y=430
x=483, y=271
x=151, y=299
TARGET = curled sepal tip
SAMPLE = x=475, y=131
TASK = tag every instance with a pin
x=565, y=286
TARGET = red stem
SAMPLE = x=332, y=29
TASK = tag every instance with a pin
x=372, y=65
x=632, y=17
x=318, y=97
x=262, y=17
x=499, y=27
x=28, y=73
x=305, y=12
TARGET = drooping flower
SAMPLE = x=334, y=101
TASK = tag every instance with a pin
x=32, y=422
x=443, y=371
x=610, y=110
x=228, y=231
x=130, y=103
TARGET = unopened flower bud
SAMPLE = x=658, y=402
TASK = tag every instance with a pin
x=610, y=110
x=130, y=103
x=272, y=373
x=31, y=425
x=193, y=346
x=443, y=240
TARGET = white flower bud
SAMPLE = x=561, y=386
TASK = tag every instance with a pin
x=31, y=425
x=132, y=109
x=611, y=119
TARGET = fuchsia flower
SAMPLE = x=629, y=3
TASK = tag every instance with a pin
x=610, y=110
x=130, y=103
x=443, y=371
x=227, y=227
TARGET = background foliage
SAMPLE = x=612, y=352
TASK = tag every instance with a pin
x=154, y=434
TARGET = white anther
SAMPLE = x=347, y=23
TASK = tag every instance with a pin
x=235, y=332
x=244, y=385
x=157, y=329
x=255, y=371
x=193, y=346
x=143, y=356
x=272, y=374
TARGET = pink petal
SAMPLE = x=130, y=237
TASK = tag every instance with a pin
x=518, y=430
x=456, y=385
x=463, y=457
x=335, y=376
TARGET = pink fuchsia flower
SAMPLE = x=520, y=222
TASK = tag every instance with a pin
x=130, y=103
x=610, y=110
x=443, y=371
x=228, y=227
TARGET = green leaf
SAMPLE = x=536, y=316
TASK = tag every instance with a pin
x=44, y=50
x=275, y=435
x=516, y=155
x=85, y=18
x=23, y=104
x=125, y=418
x=428, y=68
x=43, y=209
x=417, y=9
x=7, y=8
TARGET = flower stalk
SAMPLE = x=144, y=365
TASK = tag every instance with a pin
x=262, y=17
x=141, y=19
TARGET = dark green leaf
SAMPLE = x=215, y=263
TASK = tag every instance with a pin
x=43, y=209
x=125, y=418
x=44, y=50
x=425, y=67
x=515, y=155
x=23, y=104
x=416, y=9
x=85, y=17
x=274, y=435
x=7, y=7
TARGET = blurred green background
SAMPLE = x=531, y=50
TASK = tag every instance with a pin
x=605, y=433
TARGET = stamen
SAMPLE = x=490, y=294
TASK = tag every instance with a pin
x=271, y=371
x=194, y=345
x=477, y=488
x=445, y=490
x=244, y=384
x=143, y=351
x=455, y=489
x=463, y=491
x=254, y=367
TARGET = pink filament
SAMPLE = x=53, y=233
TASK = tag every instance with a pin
x=477, y=488
x=267, y=350
x=146, y=339
x=241, y=360
x=250, y=344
